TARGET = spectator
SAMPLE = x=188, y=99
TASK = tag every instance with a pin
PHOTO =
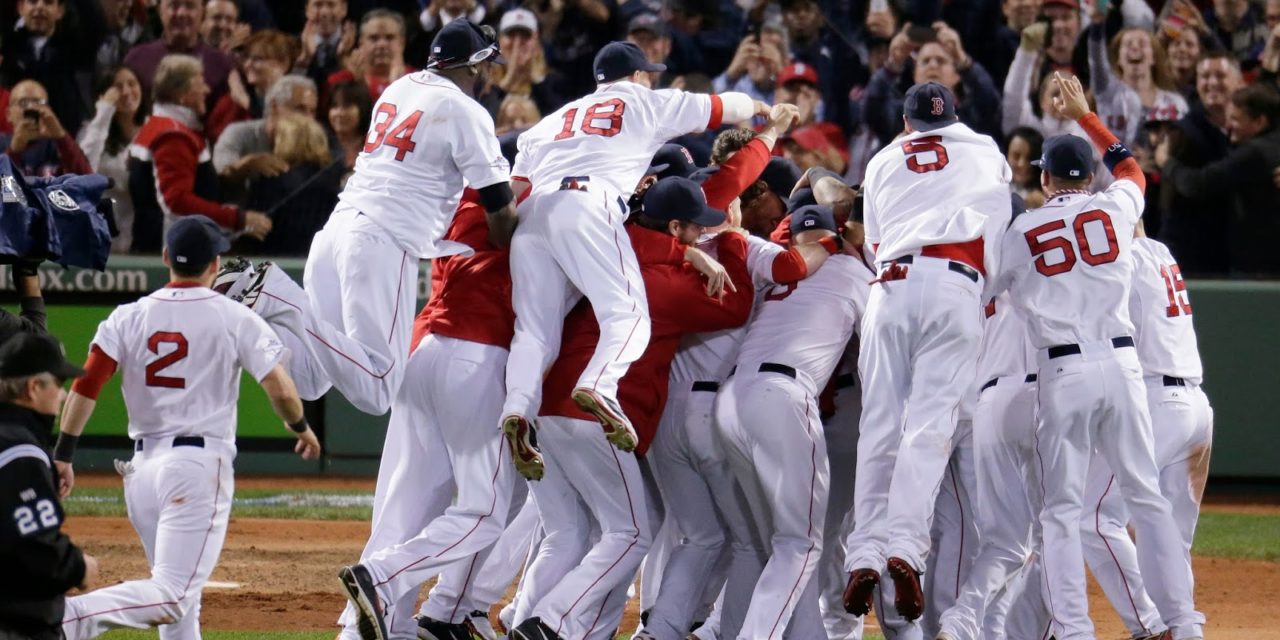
x=327, y=38
x=517, y=113
x=181, y=20
x=221, y=27
x=124, y=28
x=167, y=176
x=1240, y=26
x=121, y=111
x=269, y=55
x=348, y=113
x=1017, y=108
x=999, y=53
x=526, y=72
x=1194, y=227
x=31, y=317
x=572, y=32
x=39, y=145
x=303, y=196
x=1183, y=52
x=244, y=150
x=1024, y=146
x=813, y=142
x=704, y=34
x=839, y=67
x=433, y=15
x=755, y=66
x=1270, y=62
x=1060, y=53
x=652, y=35
x=379, y=59
x=47, y=50
x=1131, y=81
x=1244, y=176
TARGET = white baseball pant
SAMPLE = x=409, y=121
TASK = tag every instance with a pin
x=841, y=432
x=360, y=291
x=178, y=500
x=954, y=532
x=447, y=410
x=572, y=244
x=587, y=479
x=771, y=427
x=1020, y=611
x=1095, y=400
x=1182, y=425
x=919, y=348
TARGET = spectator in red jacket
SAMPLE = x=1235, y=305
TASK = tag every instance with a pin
x=181, y=20
x=39, y=146
x=171, y=172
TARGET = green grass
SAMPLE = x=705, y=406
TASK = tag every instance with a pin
x=249, y=503
x=1238, y=535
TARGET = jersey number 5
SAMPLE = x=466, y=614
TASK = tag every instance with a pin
x=921, y=145
x=154, y=379
x=401, y=137
x=609, y=111
x=1041, y=247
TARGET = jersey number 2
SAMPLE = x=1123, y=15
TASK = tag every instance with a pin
x=1040, y=247
x=179, y=341
x=1177, y=290
x=400, y=137
x=609, y=110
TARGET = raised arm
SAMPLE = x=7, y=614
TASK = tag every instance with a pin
x=1072, y=104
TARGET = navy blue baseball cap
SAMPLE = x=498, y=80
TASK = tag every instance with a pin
x=812, y=217
x=618, y=60
x=802, y=197
x=1066, y=156
x=682, y=199
x=781, y=174
x=672, y=160
x=464, y=43
x=929, y=106
x=194, y=241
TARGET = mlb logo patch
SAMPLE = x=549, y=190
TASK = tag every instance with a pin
x=1075, y=173
x=810, y=223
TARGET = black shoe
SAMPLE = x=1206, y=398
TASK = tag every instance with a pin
x=432, y=629
x=358, y=586
x=533, y=629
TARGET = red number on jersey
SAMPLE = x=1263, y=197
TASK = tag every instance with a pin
x=1040, y=247
x=1177, y=290
x=154, y=379
x=780, y=291
x=615, y=109
x=922, y=145
x=400, y=137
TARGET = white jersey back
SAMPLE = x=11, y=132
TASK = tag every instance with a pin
x=807, y=325
x=1069, y=265
x=1161, y=314
x=179, y=352
x=610, y=135
x=710, y=356
x=943, y=186
x=1006, y=346
x=426, y=141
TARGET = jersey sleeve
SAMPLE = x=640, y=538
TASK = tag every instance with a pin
x=475, y=147
x=1014, y=255
x=107, y=339
x=676, y=112
x=1128, y=199
x=257, y=347
x=760, y=257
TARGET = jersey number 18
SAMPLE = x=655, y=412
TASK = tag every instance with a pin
x=609, y=111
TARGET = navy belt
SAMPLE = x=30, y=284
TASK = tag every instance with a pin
x=1170, y=381
x=706, y=385
x=845, y=380
x=1031, y=377
x=1074, y=349
x=953, y=265
x=180, y=441
x=773, y=367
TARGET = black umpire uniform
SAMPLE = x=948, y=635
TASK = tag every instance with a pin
x=38, y=562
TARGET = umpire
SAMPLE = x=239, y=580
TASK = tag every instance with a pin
x=39, y=562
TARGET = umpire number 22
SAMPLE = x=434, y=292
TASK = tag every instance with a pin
x=400, y=136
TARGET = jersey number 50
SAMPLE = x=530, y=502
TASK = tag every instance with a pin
x=609, y=110
x=400, y=137
x=1039, y=247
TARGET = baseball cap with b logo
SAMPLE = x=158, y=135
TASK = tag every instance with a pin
x=929, y=106
x=1066, y=156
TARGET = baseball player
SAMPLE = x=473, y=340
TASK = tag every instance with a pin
x=180, y=351
x=931, y=199
x=440, y=438
x=1069, y=269
x=587, y=479
x=349, y=324
x=584, y=159
x=767, y=416
x=1182, y=425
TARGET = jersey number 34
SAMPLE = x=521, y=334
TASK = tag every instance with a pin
x=400, y=137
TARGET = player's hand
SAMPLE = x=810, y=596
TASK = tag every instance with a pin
x=257, y=225
x=66, y=478
x=782, y=116
x=717, y=276
x=91, y=573
x=763, y=108
x=308, y=445
x=1033, y=37
x=1070, y=102
x=502, y=225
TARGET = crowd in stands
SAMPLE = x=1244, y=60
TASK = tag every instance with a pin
x=253, y=112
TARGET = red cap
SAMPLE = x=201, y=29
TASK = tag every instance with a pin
x=1070, y=4
x=798, y=71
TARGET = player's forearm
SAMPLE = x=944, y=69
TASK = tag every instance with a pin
x=75, y=414
x=1114, y=154
x=283, y=395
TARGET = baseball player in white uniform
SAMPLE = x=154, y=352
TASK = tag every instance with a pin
x=1182, y=424
x=930, y=199
x=348, y=325
x=180, y=351
x=767, y=414
x=1069, y=269
x=580, y=164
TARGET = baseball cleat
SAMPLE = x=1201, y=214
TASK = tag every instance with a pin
x=617, y=428
x=432, y=629
x=534, y=629
x=357, y=584
x=857, y=594
x=248, y=296
x=1163, y=635
x=907, y=597
x=479, y=625
x=234, y=276
x=523, y=443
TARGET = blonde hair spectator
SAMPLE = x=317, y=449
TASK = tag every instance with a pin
x=515, y=113
x=300, y=140
x=174, y=76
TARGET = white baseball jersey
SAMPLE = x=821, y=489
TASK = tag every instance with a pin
x=1006, y=347
x=1161, y=314
x=807, y=325
x=943, y=186
x=710, y=356
x=610, y=135
x=426, y=141
x=179, y=352
x=1069, y=265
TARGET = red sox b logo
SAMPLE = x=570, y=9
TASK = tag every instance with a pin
x=937, y=107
